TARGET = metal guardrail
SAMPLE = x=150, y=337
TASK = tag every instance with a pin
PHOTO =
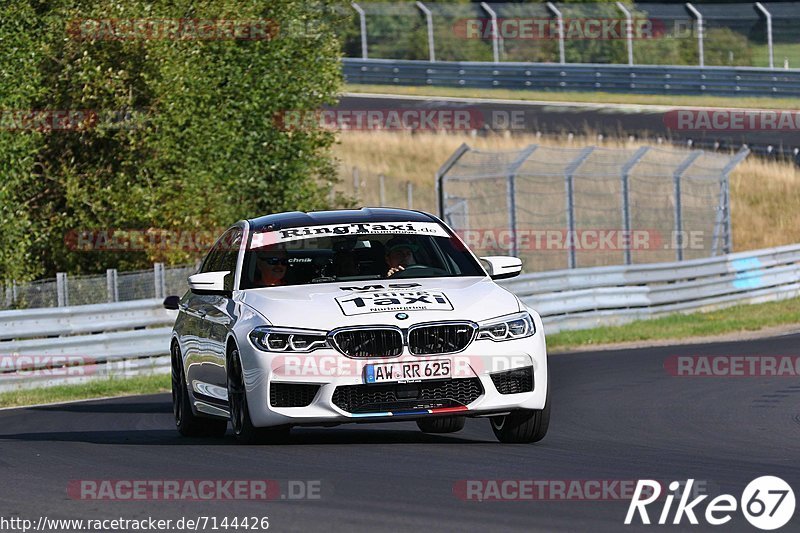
x=76, y=344
x=641, y=79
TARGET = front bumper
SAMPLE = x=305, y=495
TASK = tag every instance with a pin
x=470, y=392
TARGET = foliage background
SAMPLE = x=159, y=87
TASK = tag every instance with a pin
x=199, y=148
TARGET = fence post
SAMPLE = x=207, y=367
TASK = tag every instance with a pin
x=569, y=184
x=560, y=22
x=14, y=291
x=410, y=195
x=626, y=199
x=676, y=179
x=496, y=37
x=158, y=278
x=726, y=198
x=362, y=21
x=356, y=183
x=439, y=177
x=62, y=290
x=112, y=287
x=699, y=18
x=768, y=16
x=382, y=189
x=511, y=191
x=628, y=30
x=429, y=22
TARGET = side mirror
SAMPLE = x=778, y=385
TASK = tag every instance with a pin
x=502, y=266
x=171, y=302
x=208, y=283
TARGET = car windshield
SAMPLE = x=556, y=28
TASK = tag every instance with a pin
x=352, y=252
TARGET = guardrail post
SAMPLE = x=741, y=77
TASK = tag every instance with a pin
x=62, y=290
x=429, y=22
x=112, y=286
x=440, y=174
x=569, y=173
x=768, y=16
x=496, y=37
x=628, y=30
x=626, y=199
x=512, y=195
x=676, y=180
x=362, y=21
x=158, y=278
x=382, y=189
x=560, y=22
x=699, y=18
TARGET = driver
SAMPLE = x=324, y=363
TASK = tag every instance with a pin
x=400, y=254
x=271, y=267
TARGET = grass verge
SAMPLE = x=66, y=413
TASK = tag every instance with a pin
x=92, y=389
x=587, y=97
x=741, y=318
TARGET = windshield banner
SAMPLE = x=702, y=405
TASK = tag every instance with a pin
x=268, y=238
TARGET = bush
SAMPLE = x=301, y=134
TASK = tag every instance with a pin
x=198, y=147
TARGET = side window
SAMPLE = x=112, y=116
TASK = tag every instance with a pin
x=223, y=255
x=231, y=241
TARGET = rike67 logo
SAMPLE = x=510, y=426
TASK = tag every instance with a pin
x=767, y=503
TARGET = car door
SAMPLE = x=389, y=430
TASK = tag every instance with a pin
x=205, y=364
x=219, y=309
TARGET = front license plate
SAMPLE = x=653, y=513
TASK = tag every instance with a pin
x=407, y=371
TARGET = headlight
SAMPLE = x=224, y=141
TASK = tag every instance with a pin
x=274, y=339
x=516, y=326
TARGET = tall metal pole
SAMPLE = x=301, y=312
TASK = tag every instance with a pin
x=511, y=190
x=362, y=18
x=429, y=21
x=699, y=18
x=768, y=16
x=628, y=30
x=496, y=37
x=440, y=174
x=569, y=179
x=560, y=21
x=676, y=183
x=626, y=199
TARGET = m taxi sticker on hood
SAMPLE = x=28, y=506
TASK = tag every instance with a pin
x=378, y=302
x=267, y=238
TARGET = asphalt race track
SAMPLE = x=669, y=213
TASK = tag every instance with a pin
x=617, y=415
x=611, y=120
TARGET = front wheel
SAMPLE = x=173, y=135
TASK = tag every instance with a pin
x=522, y=425
x=243, y=427
x=188, y=423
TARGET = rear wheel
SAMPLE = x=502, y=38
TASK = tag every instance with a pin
x=243, y=427
x=523, y=425
x=444, y=424
x=188, y=423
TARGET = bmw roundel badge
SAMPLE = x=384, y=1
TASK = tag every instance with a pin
x=401, y=316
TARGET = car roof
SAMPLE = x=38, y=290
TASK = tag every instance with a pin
x=293, y=219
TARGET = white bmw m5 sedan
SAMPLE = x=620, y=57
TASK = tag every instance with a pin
x=369, y=315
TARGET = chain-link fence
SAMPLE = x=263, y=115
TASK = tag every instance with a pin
x=727, y=34
x=581, y=207
x=115, y=286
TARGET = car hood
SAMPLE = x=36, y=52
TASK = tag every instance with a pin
x=332, y=305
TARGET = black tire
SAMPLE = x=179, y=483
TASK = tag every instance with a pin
x=442, y=424
x=243, y=427
x=523, y=425
x=188, y=423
